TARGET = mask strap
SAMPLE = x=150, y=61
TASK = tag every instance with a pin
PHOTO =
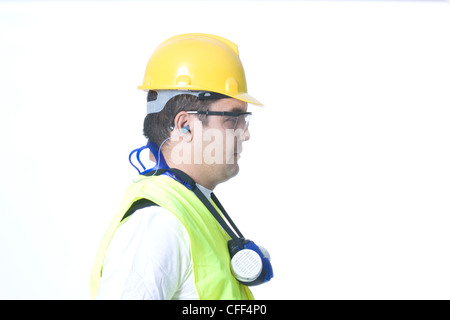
x=137, y=151
x=156, y=151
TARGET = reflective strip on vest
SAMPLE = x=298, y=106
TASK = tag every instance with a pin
x=210, y=256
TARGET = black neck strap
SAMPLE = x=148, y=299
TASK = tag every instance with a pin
x=225, y=214
x=210, y=207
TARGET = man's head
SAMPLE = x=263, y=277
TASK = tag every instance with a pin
x=198, y=81
x=210, y=149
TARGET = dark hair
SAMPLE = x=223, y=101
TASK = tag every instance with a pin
x=157, y=125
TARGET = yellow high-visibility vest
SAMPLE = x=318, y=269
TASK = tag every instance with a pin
x=210, y=256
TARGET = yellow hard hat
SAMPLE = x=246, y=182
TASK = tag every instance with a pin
x=198, y=62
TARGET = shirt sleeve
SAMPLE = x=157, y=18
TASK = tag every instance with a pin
x=148, y=258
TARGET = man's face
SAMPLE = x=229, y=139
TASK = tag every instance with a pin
x=212, y=149
x=223, y=137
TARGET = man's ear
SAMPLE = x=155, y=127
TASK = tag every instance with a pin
x=181, y=123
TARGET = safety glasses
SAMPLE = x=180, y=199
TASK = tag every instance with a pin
x=232, y=120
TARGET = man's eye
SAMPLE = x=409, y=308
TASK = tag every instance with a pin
x=230, y=122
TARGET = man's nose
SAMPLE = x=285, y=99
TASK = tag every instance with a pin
x=246, y=135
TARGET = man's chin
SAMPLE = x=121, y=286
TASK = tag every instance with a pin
x=233, y=170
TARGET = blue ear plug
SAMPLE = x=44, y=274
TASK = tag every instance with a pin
x=185, y=129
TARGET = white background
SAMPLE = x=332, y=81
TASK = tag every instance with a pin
x=345, y=180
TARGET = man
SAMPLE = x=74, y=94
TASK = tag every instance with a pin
x=168, y=240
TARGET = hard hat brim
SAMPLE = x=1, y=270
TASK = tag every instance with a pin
x=247, y=98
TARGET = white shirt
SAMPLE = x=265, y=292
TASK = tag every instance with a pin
x=149, y=257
